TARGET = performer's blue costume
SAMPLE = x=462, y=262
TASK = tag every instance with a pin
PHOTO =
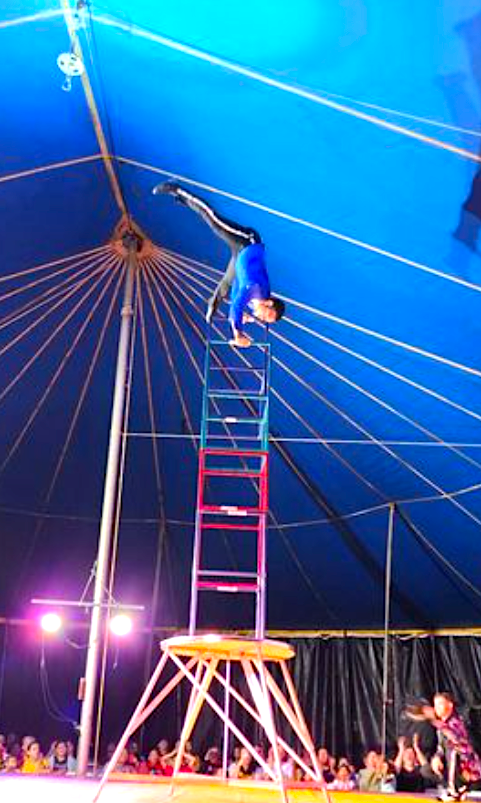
x=246, y=276
x=251, y=282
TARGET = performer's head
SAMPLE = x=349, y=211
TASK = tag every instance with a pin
x=270, y=310
x=443, y=704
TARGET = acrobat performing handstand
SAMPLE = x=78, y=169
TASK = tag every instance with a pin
x=246, y=275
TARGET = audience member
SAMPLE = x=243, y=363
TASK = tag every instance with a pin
x=327, y=764
x=10, y=766
x=152, y=765
x=244, y=767
x=212, y=763
x=343, y=782
x=33, y=761
x=124, y=765
x=408, y=764
x=370, y=776
x=60, y=762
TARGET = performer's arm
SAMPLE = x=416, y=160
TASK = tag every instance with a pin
x=238, y=304
x=398, y=761
x=417, y=749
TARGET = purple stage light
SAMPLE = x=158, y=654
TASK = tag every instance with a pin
x=51, y=622
x=121, y=624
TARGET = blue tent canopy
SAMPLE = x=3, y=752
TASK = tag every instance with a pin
x=348, y=135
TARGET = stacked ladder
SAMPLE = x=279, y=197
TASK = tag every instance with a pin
x=233, y=472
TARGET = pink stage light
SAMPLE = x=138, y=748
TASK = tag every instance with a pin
x=121, y=624
x=51, y=622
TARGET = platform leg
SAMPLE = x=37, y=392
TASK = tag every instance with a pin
x=297, y=707
x=225, y=746
x=272, y=725
x=298, y=725
x=232, y=726
x=170, y=686
x=197, y=699
x=255, y=716
x=260, y=695
x=132, y=726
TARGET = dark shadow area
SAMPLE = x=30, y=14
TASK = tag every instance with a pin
x=465, y=114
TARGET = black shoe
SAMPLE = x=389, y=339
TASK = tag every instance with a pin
x=169, y=188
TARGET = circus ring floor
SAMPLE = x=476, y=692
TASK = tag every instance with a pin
x=133, y=789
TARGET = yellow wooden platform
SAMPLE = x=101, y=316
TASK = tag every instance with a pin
x=228, y=648
x=188, y=789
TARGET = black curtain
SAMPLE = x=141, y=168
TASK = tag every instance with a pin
x=338, y=678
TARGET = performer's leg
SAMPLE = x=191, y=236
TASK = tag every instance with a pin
x=235, y=235
x=222, y=290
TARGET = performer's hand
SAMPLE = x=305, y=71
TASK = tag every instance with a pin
x=419, y=712
x=246, y=318
x=240, y=341
x=428, y=712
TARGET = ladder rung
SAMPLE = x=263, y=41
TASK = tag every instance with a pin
x=249, y=395
x=243, y=369
x=230, y=419
x=231, y=472
x=216, y=437
x=221, y=573
x=221, y=452
x=264, y=346
x=232, y=588
x=217, y=526
x=233, y=510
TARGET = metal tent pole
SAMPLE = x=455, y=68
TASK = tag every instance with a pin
x=108, y=510
x=387, y=615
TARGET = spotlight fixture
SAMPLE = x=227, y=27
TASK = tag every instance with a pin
x=50, y=622
x=121, y=624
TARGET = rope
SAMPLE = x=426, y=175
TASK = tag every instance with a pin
x=357, y=327
x=295, y=413
x=346, y=417
x=288, y=546
x=153, y=273
x=41, y=15
x=42, y=516
x=401, y=377
x=389, y=451
x=375, y=364
x=316, y=441
x=406, y=115
x=385, y=338
x=94, y=112
x=168, y=354
x=34, y=305
x=47, y=342
x=405, y=463
x=436, y=357
x=35, y=171
x=300, y=221
x=92, y=263
x=246, y=72
x=61, y=299
x=81, y=255
x=60, y=368
x=423, y=539
x=83, y=391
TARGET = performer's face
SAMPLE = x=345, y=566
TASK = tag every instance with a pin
x=266, y=312
x=443, y=708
